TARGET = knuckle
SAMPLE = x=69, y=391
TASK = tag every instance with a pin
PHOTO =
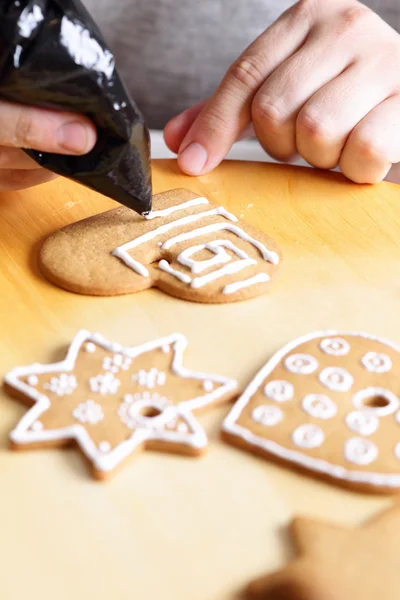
x=353, y=18
x=215, y=122
x=302, y=9
x=248, y=72
x=312, y=125
x=369, y=148
x=25, y=130
x=264, y=111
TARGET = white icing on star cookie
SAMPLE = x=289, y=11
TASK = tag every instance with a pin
x=151, y=378
x=64, y=385
x=143, y=416
x=89, y=412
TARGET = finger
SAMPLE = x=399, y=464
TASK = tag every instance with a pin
x=277, y=103
x=14, y=158
x=176, y=129
x=327, y=119
x=228, y=112
x=47, y=130
x=374, y=144
x=19, y=179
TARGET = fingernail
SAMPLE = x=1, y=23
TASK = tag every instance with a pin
x=76, y=137
x=193, y=158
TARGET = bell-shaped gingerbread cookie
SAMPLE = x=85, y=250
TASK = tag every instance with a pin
x=187, y=247
x=328, y=403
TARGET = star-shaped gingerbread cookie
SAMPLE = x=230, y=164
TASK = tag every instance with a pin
x=112, y=401
x=336, y=563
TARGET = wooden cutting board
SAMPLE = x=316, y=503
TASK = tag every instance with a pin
x=170, y=527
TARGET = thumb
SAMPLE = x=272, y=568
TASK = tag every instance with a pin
x=47, y=130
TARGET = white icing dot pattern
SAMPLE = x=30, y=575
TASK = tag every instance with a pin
x=33, y=380
x=267, y=415
x=308, y=436
x=335, y=346
x=279, y=390
x=64, y=385
x=183, y=428
x=360, y=451
x=105, y=447
x=150, y=379
x=363, y=422
x=376, y=362
x=208, y=385
x=88, y=412
x=301, y=364
x=104, y=384
x=116, y=363
x=90, y=347
x=336, y=379
x=319, y=406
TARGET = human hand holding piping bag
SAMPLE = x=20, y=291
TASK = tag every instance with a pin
x=322, y=82
x=44, y=130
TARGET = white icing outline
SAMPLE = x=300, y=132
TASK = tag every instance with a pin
x=220, y=255
x=122, y=251
x=296, y=457
x=380, y=411
x=155, y=214
x=344, y=385
x=216, y=246
x=231, y=288
x=105, y=462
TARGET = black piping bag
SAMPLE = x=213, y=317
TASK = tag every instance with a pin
x=53, y=55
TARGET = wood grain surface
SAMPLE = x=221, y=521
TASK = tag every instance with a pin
x=171, y=527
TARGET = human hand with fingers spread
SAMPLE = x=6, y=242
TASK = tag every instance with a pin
x=44, y=130
x=323, y=82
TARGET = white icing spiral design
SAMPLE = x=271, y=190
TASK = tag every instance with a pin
x=376, y=362
x=319, y=406
x=336, y=379
x=335, y=346
x=360, y=401
x=308, y=436
x=279, y=390
x=301, y=364
x=360, y=451
x=363, y=422
x=267, y=415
